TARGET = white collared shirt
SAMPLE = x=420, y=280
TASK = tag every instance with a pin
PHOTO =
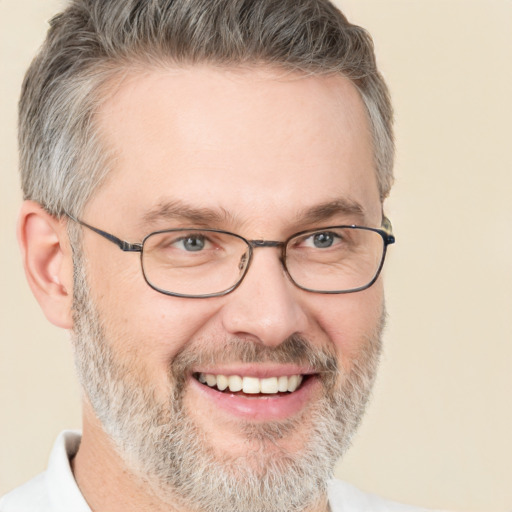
x=56, y=490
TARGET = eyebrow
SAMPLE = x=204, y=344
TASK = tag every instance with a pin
x=329, y=209
x=178, y=210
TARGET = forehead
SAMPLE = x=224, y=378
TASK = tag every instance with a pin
x=243, y=141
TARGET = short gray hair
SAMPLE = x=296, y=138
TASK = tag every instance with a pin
x=92, y=41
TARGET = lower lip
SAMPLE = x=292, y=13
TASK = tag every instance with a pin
x=261, y=407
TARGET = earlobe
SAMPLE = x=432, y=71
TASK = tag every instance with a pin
x=47, y=261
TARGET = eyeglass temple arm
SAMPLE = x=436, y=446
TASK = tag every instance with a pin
x=123, y=245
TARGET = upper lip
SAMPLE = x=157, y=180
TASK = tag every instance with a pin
x=258, y=370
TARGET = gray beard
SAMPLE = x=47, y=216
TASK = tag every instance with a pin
x=163, y=446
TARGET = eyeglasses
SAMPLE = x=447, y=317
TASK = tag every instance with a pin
x=201, y=263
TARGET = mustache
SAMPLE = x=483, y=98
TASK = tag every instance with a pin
x=295, y=349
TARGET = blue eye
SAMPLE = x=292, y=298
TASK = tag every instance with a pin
x=323, y=240
x=192, y=243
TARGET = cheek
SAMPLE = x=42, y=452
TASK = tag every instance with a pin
x=351, y=321
x=146, y=328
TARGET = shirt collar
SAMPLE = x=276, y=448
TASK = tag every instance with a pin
x=62, y=488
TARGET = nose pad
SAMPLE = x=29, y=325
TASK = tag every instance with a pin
x=265, y=305
x=244, y=260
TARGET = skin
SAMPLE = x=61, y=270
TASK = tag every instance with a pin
x=269, y=147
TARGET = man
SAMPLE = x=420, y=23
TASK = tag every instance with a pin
x=243, y=151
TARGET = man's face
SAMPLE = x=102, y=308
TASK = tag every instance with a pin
x=265, y=156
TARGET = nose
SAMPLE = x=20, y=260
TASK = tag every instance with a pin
x=266, y=306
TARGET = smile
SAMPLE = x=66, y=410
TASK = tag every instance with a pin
x=251, y=385
x=257, y=392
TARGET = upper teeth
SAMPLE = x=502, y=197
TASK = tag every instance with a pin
x=251, y=385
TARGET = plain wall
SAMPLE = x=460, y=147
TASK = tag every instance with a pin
x=438, y=431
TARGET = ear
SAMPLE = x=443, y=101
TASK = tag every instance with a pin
x=48, y=262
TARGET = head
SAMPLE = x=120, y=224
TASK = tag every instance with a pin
x=259, y=118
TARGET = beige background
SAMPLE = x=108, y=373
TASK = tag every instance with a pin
x=438, y=432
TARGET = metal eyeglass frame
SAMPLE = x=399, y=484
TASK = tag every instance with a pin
x=386, y=232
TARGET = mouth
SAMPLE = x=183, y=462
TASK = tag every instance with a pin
x=256, y=397
x=246, y=385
